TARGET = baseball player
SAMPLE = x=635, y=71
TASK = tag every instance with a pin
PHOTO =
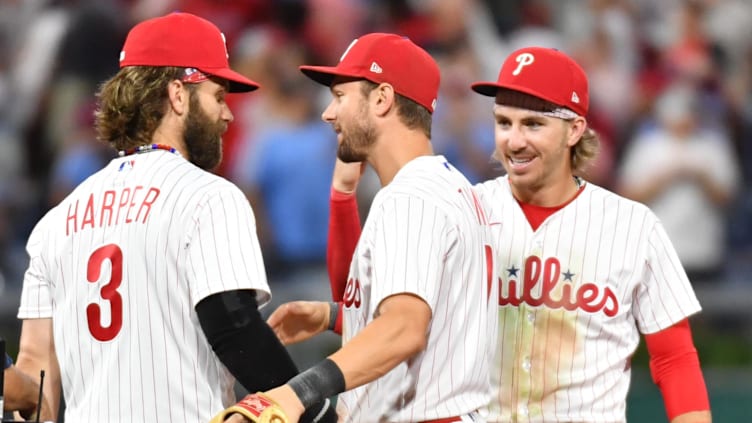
x=142, y=293
x=416, y=314
x=582, y=271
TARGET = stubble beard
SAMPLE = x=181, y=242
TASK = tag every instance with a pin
x=357, y=141
x=203, y=137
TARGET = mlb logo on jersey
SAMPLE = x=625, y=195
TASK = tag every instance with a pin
x=126, y=165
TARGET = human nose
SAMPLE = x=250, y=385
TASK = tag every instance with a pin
x=514, y=137
x=328, y=114
x=227, y=114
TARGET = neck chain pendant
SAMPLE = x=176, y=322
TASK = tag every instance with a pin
x=146, y=148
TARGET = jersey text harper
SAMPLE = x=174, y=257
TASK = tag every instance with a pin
x=130, y=204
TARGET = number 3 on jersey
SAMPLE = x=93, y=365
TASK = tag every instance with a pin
x=108, y=292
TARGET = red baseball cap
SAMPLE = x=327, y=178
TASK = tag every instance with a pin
x=390, y=58
x=545, y=73
x=182, y=40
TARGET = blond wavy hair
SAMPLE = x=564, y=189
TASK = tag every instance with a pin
x=584, y=153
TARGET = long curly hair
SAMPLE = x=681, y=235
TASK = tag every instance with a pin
x=131, y=104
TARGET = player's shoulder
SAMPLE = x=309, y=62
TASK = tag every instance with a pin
x=204, y=181
x=426, y=175
x=602, y=197
x=430, y=179
x=496, y=185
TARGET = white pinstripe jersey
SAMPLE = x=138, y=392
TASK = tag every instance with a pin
x=119, y=266
x=573, y=297
x=426, y=235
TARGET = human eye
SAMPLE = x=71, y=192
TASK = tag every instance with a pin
x=502, y=122
x=220, y=96
x=533, y=124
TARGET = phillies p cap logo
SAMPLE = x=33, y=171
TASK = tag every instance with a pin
x=545, y=73
x=523, y=60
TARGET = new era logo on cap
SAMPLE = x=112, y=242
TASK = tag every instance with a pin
x=386, y=58
x=545, y=73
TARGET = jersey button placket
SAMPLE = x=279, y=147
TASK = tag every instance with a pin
x=523, y=362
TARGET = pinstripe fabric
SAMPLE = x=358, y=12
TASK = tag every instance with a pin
x=183, y=234
x=569, y=361
x=425, y=236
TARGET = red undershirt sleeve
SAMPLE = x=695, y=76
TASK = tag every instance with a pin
x=344, y=232
x=675, y=368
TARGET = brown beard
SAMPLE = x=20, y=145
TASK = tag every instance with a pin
x=203, y=137
x=357, y=140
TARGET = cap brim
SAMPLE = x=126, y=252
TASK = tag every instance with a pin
x=486, y=88
x=491, y=89
x=238, y=82
x=324, y=75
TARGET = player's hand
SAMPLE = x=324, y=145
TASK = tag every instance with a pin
x=45, y=414
x=237, y=418
x=299, y=320
x=347, y=175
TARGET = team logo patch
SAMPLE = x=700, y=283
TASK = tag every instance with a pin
x=524, y=59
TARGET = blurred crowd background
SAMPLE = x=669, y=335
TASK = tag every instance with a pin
x=671, y=96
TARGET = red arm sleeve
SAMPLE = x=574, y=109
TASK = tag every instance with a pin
x=675, y=368
x=344, y=232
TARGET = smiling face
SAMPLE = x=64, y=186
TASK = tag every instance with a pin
x=535, y=150
x=348, y=115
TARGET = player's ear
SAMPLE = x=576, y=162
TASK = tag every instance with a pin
x=178, y=96
x=577, y=127
x=383, y=99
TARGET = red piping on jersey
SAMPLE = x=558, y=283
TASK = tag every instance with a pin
x=444, y=420
x=535, y=215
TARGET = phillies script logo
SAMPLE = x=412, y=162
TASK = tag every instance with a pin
x=589, y=297
x=352, y=293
